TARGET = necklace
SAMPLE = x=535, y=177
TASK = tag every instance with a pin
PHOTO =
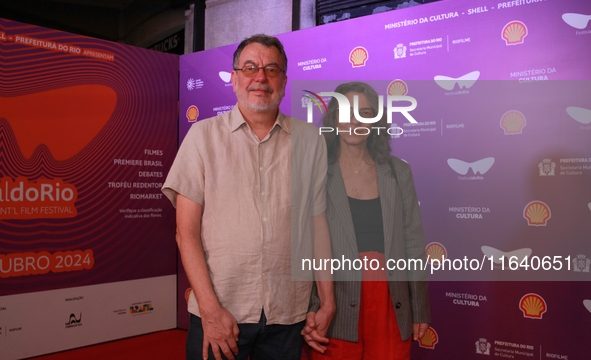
x=355, y=171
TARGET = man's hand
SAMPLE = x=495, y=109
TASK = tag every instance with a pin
x=418, y=330
x=220, y=330
x=219, y=326
x=317, y=324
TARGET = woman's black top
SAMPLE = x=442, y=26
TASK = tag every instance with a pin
x=367, y=220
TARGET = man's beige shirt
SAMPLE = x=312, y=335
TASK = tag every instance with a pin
x=246, y=187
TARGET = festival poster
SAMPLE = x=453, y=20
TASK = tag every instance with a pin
x=87, y=131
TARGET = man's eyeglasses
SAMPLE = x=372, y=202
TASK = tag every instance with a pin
x=271, y=71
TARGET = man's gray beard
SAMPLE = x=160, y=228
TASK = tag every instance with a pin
x=274, y=105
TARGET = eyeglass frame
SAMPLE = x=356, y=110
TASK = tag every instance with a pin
x=265, y=67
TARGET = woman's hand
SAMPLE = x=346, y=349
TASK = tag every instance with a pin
x=419, y=330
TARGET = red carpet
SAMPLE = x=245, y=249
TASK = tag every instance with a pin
x=167, y=345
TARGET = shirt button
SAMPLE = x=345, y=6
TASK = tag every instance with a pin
x=261, y=168
x=263, y=193
x=398, y=305
x=264, y=219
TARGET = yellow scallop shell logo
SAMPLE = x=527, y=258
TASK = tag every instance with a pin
x=188, y=293
x=358, y=56
x=397, y=87
x=513, y=122
x=533, y=306
x=514, y=32
x=435, y=251
x=536, y=213
x=192, y=113
x=430, y=339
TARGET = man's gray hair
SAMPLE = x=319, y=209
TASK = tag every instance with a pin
x=262, y=39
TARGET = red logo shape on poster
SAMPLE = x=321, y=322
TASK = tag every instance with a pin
x=533, y=306
x=358, y=56
x=65, y=120
x=188, y=293
x=430, y=339
x=513, y=122
x=536, y=213
x=397, y=87
x=435, y=251
x=514, y=32
x=192, y=113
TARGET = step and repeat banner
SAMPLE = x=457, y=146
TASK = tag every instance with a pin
x=500, y=151
x=87, y=131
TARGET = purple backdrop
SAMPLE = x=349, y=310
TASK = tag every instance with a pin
x=501, y=155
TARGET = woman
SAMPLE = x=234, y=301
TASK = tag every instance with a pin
x=373, y=215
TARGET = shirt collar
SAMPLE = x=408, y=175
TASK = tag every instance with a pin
x=237, y=120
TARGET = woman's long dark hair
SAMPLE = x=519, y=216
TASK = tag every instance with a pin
x=378, y=145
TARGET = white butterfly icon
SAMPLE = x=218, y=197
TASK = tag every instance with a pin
x=582, y=115
x=465, y=81
x=520, y=254
x=480, y=166
x=225, y=76
x=578, y=21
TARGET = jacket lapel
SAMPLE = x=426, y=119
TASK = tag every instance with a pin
x=338, y=196
x=387, y=185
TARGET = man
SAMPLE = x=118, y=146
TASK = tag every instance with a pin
x=249, y=188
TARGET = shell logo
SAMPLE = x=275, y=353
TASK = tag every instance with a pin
x=536, y=213
x=188, y=293
x=533, y=306
x=435, y=251
x=513, y=122
x=358, y=56
x=397, y=87
x=430, y=339
x=192, y=113
x=514, y=32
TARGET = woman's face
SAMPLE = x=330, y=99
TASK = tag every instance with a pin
x=355, y=132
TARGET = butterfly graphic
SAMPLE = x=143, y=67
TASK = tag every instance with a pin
x=480, y=166
x=464, y=81
x=496, y=254
x=578, y=21
x=582, y=115
x=225, y=76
